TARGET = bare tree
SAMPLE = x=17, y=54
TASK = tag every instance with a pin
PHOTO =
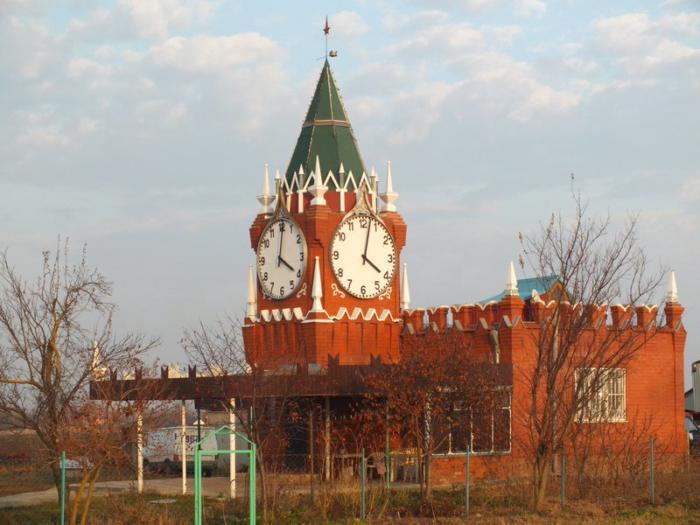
x=578, y=355
x=55, y=335
x=432, y=395
x=218, y=350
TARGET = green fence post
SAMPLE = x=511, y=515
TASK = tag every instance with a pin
x=251, y=480
x=466, y=484
x=363, y=509
x=651, y=471
x=62, y=465
x=562, y=493
x=197, y=486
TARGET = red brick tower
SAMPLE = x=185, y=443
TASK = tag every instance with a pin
x=327, y=252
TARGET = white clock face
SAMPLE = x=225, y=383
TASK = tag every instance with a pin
x=363, y=256
x=281, y=258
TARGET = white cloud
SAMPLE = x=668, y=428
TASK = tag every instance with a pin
x=530, y=7
x=156, y=18
x=690, y=191
x=348, y=24
x=79, y=67
x=214, y=54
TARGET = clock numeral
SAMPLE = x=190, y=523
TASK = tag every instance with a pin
x=301, y=256
x=271, y=232
x=281, y=289
x=387, y=238
x=341, y=236
x=272, y=286
x=266, y=242
x=298, y=238
x=265, y=276
x=363, y=222
x=351, y=226
x=386, y=275
x=336, y=255
x=298, y=274
x=390, y=257
x=282, y=226
x=376, y=285
x=363, y=289
x=376, y=225
x=261, y=261
x=340, y=272
x=291, y=284
x=349, y=283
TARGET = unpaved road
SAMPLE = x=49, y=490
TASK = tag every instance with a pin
x=213, y=487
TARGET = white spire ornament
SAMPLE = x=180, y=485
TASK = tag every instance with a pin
x=318, y=190
x=341, y=188
x=266, y=198
x=389, y=196
x=373, y=188
x=252, y=303
x=300, y=191
x=405, y=292
x=511, y=282
x=317, y=290
x=672, y=292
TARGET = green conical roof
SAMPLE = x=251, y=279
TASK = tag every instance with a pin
x=326, y=132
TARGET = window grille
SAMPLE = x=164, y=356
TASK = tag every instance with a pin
x=603, y=394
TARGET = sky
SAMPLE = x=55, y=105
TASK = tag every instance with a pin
x=141, y=128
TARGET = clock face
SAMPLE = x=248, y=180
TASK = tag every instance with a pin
x=281, y=258
x=363, y=256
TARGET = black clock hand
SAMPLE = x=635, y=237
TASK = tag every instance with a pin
x=285, y=263
x=279, y=255
x=365, y=259
x=364, y=255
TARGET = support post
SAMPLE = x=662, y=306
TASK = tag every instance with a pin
x=139, y=451
x=651, y=471
x=62, y=466
x=311, y=452
x=183, y=445
x=466, y=483
x=387, y=452
x=327, y=440
x=363, y=467
x=251, y=480
x=562, y=492
x=197, y=485
x=232, y=446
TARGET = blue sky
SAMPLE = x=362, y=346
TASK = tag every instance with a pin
x=141, y=128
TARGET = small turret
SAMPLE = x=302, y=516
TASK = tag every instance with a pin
x=389, y=196
x=251, y=312
x=405, y=292
x=672, y=292
x=511, y=281
x=267, y=197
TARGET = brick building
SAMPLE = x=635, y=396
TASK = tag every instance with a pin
x=327, y=291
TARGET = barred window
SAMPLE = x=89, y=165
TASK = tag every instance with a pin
x=486, y=428
x=603, y=392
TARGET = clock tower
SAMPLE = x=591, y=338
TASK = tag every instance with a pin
x=325, y=287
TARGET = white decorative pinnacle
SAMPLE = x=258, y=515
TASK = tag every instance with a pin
x=511, y=281
x=252, y=303
x=389, y=196
x=267, y=197
x=405, y=292
x=341, y=186
x=99, y=371
x=318, y=190
x=300, y=191
x=373, y=188
x=672, y=292
x=317, y=290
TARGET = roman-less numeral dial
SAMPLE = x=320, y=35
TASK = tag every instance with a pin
x=363, y=256
x=281, y=258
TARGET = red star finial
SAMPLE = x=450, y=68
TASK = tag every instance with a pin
x=326, y=28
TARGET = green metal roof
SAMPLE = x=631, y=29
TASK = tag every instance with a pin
x=525, y=287
x=326, y=132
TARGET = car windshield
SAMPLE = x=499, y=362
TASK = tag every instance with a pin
x=690, y=425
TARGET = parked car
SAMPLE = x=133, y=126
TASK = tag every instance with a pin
x=162, y=449
x=693, y=435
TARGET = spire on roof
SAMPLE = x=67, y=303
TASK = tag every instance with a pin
x=252, y=304
x=511, y=281
x=326, y=132
x=389, y=196
x=316, y=290
x=266, y=198
x=672, y=292
x=405, y=292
